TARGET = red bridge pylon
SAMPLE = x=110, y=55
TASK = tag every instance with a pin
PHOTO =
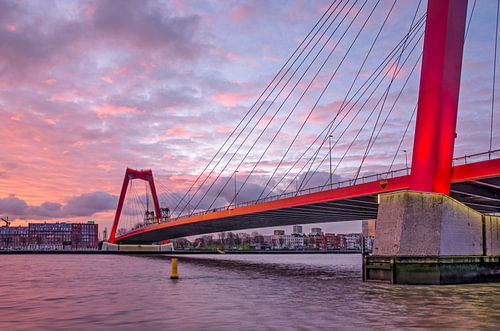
x=130, y=174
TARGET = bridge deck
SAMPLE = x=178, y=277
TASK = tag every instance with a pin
x=476, y=184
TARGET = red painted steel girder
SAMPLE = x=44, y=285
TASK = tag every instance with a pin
x=476, y=171
x=438, y=96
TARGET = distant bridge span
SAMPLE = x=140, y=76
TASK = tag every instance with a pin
x=476, y=185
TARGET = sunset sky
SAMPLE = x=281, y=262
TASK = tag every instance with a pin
x=88, y=88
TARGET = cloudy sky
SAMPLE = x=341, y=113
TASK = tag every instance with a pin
x=88, y=88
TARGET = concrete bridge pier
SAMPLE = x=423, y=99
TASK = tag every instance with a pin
x=431, y=238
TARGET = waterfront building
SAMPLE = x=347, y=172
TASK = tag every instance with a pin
x=267, y=240
x=50, y=236
x=368, y=241
x=316, y=232
x=368, y=228
x=294, y=242
x=181, y=243
x=297, y=229
x=277, y=241
x=335, y=241
x=353, y=241
x=15, y=236
x=318, y=242
x=287, y=242
x=84, y=235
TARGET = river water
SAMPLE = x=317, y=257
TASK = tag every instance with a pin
x=227, y=292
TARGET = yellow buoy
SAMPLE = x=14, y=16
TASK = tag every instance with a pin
x=174, y=274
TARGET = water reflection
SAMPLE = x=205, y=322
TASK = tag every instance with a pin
x=226, y=293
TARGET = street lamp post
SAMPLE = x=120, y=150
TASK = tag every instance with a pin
x=235, y=192
x=330, y=149
x=406, y=160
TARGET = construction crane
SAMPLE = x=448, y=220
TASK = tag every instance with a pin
x=6, y=220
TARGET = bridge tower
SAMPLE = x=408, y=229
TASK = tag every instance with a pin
x=438, y=96
x=423, y=235
x=130, y=174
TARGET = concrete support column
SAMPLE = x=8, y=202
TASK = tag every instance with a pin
x=431, y=238
x=426, y=224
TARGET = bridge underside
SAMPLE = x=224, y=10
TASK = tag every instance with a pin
x=476, y=185
x=362, y=208
x=482, y=195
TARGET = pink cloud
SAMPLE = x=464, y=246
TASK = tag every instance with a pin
x=226, y=55
x=11, y=27
x=232, y=56
x=89, y=10
x=62, y=98
x=224, y=129
x=241, y=13
x=393, y=70
x=229, y=99
x=107, y=79
x=182, y=132
x=113, y=110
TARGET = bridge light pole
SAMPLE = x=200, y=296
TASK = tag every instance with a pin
x=235, y=192
x=330, y=149
x=406, y=159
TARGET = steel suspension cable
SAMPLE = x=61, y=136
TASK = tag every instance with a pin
x=265, y=112
x=309, y=85
x=321, y=95
x=330, y=131
x=345, y=130
x=169, y=195
x=269, y=94
x=366, y=86
x=263, y=92
x=286, y=99
x=132, y=205
x=403, y=137
x=470, y=20
x=416, y=105
x=130, y=202
x=392, y=108
x=309, y=174
x=395, y=101
x=385, y=99
x=139, y=205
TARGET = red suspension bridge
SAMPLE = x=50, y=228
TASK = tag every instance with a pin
x=371, y=103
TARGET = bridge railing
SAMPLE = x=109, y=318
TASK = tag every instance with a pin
x=476, y=157
x=336, y=185
x=345, y=183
